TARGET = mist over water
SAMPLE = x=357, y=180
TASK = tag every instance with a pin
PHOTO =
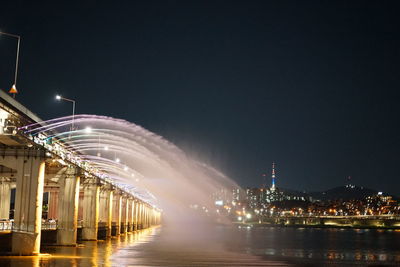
x=143, y=162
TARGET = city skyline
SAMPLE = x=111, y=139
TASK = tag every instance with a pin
x=271, y=179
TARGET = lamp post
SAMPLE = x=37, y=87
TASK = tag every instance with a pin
x=59, y=98
x=13, y=89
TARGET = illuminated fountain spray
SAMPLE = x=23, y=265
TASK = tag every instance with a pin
x=138, y=160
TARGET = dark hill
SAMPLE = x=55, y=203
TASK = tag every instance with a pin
x=345, y=192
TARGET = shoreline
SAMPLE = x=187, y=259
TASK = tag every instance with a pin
x=337, y=226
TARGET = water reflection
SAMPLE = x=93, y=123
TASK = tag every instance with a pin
x=226, y=246
x=87, y=253
x=328, y=246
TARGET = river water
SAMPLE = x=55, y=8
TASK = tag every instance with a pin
x=194, y=245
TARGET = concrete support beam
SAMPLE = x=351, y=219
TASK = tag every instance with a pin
x=149, y=212
x=80, y=206
x=90, y=209
x=53, y=204
x=110, y=210
x=124, y=213
x=144, y=216
x=147, y=217
x=68, y=203
x=136, y=215
x=103, y=206
x=138, y=211
x=5, y=197
x=144, y=220
x=106, y=204
x=28, y=204
x=140, y=218
x=116, y=217
x=130, y=215
x=126, y=217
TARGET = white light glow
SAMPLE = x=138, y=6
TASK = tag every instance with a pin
x=58, y=97
x=88, y=130
x=219, y=202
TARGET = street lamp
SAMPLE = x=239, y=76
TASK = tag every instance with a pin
x=13, y=89
x=59, y=98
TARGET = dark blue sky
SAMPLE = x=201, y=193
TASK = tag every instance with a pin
x=311, y=85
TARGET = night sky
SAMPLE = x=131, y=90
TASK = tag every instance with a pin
x=311, y=85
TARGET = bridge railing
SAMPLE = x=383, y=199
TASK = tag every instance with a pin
x=49, y=225
x=6, y=225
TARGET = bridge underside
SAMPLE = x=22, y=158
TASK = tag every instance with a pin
x=39, y=190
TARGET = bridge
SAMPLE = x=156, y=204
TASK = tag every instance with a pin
x=355, y=221
x=49, y=193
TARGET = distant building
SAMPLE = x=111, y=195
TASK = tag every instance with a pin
x=273, y=178
x=222, y=197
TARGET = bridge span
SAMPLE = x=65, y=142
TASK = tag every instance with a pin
x=80, y=201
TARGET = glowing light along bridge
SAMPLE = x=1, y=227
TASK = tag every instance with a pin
x=81, y=201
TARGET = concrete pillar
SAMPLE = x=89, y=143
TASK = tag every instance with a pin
x=124, y=215
x=135, y=214
x=90, y=209
x=5, y=197
x=126, y=210
x=130, y=215
x=109, y=209
x=150, y=217
x=146, y=214
x=116, y=214
x=103, y=206
x=53, y=204
x=106, y=201
x=28, y=204
x=138, y=210
x=68, y=203
x=80, y=206
x=144, y=219
x=140, y=215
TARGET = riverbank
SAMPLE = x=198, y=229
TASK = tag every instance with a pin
x=349, y=223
